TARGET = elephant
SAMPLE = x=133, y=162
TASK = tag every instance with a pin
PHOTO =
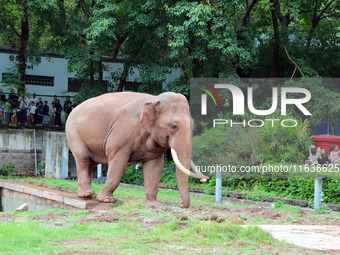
x=121, y=127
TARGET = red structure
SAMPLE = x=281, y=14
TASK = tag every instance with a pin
x=326, y=141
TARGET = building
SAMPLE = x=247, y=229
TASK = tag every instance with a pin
x=51, y=77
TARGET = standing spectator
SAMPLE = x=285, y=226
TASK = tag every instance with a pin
x=59, y=109
x=13, y=100
x=32, y=109
x=36, y=110
x=40, y=113
x=52, y=114
x=33, y=99
x=2, y=112
x=23, y=105
x=2, y=96
x=55, y=99
x=2, y=105
x=14, y=115
x=39, y=101
x=68, y=106
x=45, y=113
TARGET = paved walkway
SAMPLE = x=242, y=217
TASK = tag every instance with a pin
x=320, y=237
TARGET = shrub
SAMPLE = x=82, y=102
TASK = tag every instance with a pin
x=285, y=144
x=7, y=170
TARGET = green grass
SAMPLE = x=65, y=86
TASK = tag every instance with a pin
x=23, y=235
x=31, y=232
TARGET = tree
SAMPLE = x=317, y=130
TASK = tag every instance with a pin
x=17, y=18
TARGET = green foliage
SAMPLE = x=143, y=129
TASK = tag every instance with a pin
x=281, y=144
x=41, y=168
x=7, y=170
x=88, y=91
x=253, y=198
x=179, y=86
x=205, y=39
x=278, y=203
x=134, y=174
x=11, y=79
x=224, y=146
x=291, y=187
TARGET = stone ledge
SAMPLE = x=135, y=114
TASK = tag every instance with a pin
x=60, y=197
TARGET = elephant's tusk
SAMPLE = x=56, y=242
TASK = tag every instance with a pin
x=184, y=170
x=193, y=166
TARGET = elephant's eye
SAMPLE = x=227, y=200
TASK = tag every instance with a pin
x=174, y=127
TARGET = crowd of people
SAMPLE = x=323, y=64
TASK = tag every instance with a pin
x=19, y=110
x=319, y=156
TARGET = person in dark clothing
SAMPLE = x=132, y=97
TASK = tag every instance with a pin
x=2, y=105
x=55, y=98
x=68, y=106
x=37, y=118
x=323, y=157
x=13, y=100
x=40, y=113
x=46, y=113
x=59, y=109
x=2, y=96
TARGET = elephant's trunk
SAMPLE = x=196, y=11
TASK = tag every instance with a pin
x=182, y=174
x=182, y=178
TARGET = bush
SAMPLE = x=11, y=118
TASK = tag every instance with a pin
x=7, y=170
x=291, y=187
x=285, y=144
x=236, y=146
x=134, y=174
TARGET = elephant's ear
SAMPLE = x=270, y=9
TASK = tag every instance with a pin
x=148, y=115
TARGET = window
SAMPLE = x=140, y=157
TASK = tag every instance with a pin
x=39, y=80
x=32, y=79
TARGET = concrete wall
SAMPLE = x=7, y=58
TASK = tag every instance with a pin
x=17, y=147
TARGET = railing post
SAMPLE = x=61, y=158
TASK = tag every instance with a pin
x=317, y=194
x=99, y=170
x=218, y=189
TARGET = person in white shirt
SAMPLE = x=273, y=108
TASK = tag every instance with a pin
x=32, y=109
x=34, y=99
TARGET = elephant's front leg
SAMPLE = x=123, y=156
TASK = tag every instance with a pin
x=117, y=165
x=152, y=171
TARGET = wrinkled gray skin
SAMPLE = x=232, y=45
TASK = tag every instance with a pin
x=122, y=127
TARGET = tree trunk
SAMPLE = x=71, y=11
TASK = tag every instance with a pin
x=123, y=77
x=276, y=68
x=24, y=36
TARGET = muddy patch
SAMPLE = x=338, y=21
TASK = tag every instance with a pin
x=49, y=216
x=262, y=212
x=100, y=217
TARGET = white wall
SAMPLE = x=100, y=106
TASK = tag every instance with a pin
x=57, y=67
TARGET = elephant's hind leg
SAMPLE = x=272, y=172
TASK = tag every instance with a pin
x=85, y=173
